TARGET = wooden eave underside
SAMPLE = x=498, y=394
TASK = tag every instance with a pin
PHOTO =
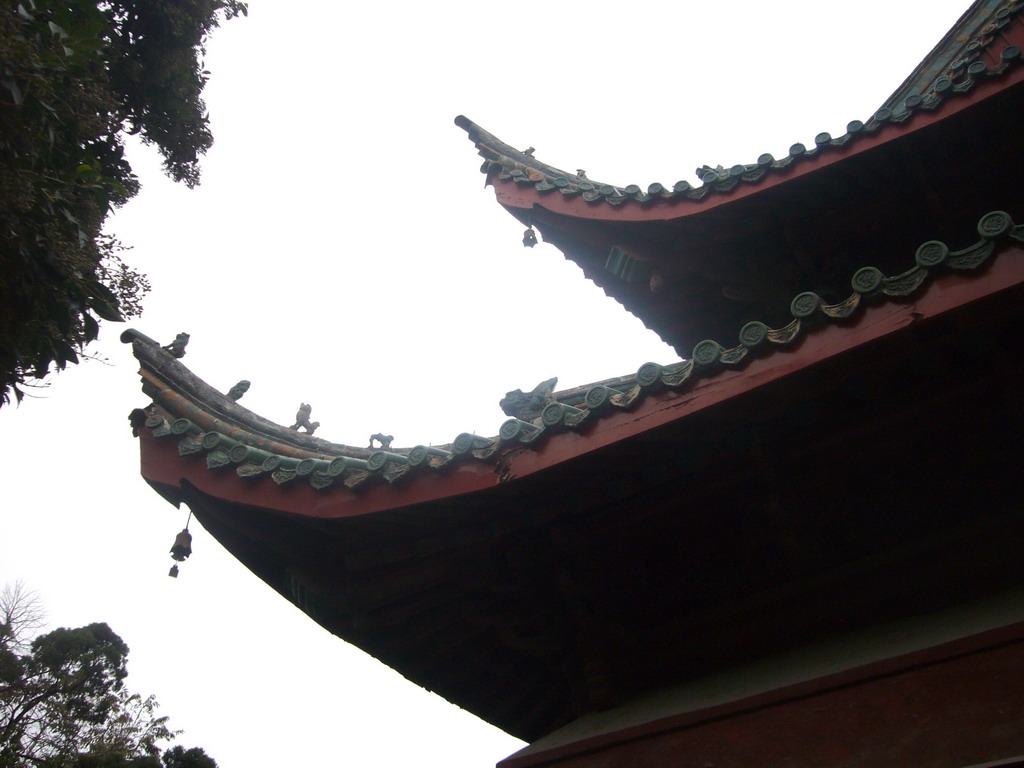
x=874, y=460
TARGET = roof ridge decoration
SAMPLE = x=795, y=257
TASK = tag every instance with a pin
x=187, y=408
x=507, y=163
x=971, y=37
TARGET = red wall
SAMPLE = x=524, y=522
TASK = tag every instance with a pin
x=959, y=711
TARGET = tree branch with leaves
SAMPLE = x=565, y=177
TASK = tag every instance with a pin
x=63, y=700
x=76, y=77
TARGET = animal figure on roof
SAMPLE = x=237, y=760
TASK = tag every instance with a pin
x=236, y=392
x=177, y=347
x=527, y=406
x=302, y=419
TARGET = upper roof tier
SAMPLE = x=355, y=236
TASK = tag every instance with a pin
x=975, y=51
x=706, y=259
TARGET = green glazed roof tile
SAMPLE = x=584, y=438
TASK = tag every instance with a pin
x=325, y=465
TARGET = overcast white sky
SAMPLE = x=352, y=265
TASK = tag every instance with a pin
x=343, y=252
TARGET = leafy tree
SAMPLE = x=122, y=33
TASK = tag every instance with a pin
x=76, y=76
x=63, y=702
x=179, y=757
x=175, y=757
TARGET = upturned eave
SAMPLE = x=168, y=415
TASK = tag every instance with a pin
x=553, y=577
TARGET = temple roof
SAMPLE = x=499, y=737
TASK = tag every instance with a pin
x=695, y=262
x=972, y=53
x=703, y=495
x=845, y=434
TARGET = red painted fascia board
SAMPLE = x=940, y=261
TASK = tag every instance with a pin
x=162, y=466
x=525, y=197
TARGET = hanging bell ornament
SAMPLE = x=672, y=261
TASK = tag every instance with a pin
x=182, y=546
x=529, y=238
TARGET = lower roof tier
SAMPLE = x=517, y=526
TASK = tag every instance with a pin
x=864, y=471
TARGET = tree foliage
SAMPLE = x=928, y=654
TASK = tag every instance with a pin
x=64, y=704
x=76, y=76
x=179, y=757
